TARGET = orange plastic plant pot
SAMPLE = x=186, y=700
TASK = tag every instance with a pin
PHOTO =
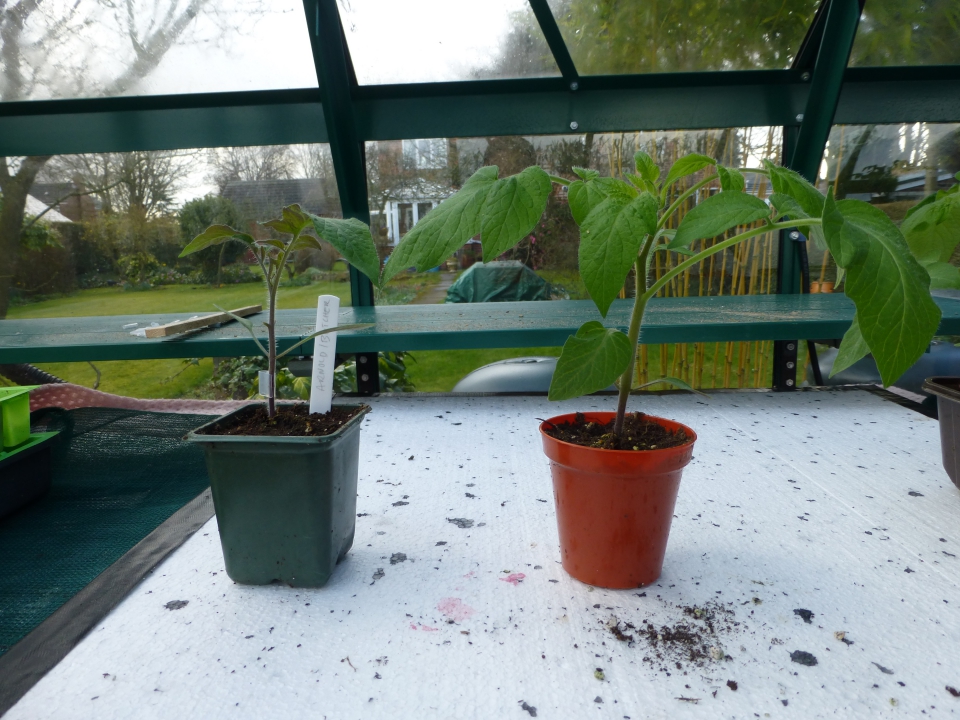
x=614, y=507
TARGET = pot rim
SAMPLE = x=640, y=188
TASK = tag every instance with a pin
x=197, y=436
x=936, y=386
x=627, y=453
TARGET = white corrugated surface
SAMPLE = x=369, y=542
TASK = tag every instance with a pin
x=800, y=501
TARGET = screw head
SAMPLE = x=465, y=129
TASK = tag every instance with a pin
x=574, y=125
x=805, y=77
x=574, y=86
x=791, y=346
x=791, y=365
x=794, y=235
x=363, y=359
x=799, y=117
x=364, y=377
x=789, y=383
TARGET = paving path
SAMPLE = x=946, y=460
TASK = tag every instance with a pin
x=437, y=293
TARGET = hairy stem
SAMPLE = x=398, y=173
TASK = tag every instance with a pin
x=633, y=334
x=559, y=180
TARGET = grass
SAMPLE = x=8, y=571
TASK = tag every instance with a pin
x=175, y=378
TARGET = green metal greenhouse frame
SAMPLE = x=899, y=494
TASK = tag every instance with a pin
x=806, y=100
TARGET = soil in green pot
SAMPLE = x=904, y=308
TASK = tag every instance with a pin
x=639, y=433
x=290, y=421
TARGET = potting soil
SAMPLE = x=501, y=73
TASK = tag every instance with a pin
x=117, y=475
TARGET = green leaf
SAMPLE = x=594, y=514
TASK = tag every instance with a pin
x=293, y=220
x=610, y=239
x=584, y=196
x=646, y=167
x=352, y=239
x=215, y=235
x=687, y=165
x=512, y=209
x=933, y=230
x=590, y=361
x=853, y=348
x=445, y=228
x=923, y=203
x=788, y=182
x=585, y=174
x=808, y=200
x=895, y=313
x=676, y=382
x=641, y=184
x=717, y=214
x=730, y=180
x=943, y=276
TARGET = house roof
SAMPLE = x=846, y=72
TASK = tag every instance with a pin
x=35, y=207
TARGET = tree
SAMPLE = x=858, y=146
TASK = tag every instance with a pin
x=266, y=162
x=47, y=50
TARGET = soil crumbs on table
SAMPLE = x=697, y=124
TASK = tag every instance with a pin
x=694, y=642
x=290, y=421
x=639, y=433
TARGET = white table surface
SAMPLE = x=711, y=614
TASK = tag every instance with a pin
x=792, y=501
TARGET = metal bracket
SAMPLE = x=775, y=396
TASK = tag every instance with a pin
x=785, y=365
x=368, y=374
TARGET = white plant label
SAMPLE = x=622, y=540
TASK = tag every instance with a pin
x=265, y=389
x=324, y=355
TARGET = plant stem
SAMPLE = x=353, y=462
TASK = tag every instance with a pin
x=675, y=205
x=560, y=180
x=633, y=334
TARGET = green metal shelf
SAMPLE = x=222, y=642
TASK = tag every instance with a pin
x=450, y=327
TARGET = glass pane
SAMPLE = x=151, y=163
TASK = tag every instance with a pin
x=651, y=37
x=891, y=166
x=544, y=265
x=437, y=40
x=101, y=235
x=67, y=49
x=902, y=32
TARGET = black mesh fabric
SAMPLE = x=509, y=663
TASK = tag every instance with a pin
x=117, y=475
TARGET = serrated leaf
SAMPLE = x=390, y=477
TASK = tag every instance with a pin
x=646, y=167
x=292, y=220
x=584, y=196
x=352, y=239
x=853, y=348
x=590, y=361
x=687, y=165
x=806, y=196
x=895, y=313
x=512, y=209
x=610, y=239
x=787, y=182
x=586, y=174
x=445, y=228
x=215, y=235
x=717, y=214
x=730, y=180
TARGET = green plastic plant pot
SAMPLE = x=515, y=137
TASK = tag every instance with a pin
x=15, y=415
x=286, y=506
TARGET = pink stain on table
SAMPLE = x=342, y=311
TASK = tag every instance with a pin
x=513, y=578
x=425, y=628
x=455, y=609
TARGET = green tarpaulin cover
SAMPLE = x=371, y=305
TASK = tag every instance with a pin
x=509, y=281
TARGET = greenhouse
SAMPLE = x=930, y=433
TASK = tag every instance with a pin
x=292, y=294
